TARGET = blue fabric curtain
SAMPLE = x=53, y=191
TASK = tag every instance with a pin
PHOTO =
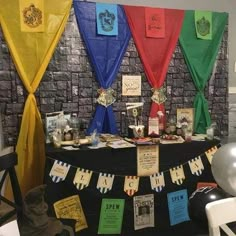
x=106, y=54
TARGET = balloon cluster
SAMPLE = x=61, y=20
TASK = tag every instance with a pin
x=223, y=168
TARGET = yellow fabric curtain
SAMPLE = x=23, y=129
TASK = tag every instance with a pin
x=31, y=53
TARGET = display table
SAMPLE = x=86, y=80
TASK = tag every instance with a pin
x=121, y=162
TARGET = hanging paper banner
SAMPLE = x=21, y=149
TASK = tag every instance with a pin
x=105, y=182
x=111, y=216
x=203, y=24
x=177, y=175
x=71, y=208
x=157, y=181
x=31, y=15
x=107, y=20
x=147, y=160
x=209, y=153
x=82, y=178
x=131, y=185
x=143, y=211
x=59, y=171
x=105, y=54
x=178, y=206
x=155, y=22
x=196, y=166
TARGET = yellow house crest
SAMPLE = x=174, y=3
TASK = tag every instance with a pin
x=32, y=16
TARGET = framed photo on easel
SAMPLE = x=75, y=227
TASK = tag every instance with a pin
x=185, y=117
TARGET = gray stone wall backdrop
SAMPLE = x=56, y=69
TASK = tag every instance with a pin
x=69, y=84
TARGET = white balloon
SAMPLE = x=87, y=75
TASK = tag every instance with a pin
x=223, y=168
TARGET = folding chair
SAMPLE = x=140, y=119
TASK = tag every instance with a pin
x=219, y=214
x=7, y=165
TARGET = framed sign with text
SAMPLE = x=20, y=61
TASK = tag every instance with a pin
x=131, y=85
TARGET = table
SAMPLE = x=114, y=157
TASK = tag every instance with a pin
x=121, y=162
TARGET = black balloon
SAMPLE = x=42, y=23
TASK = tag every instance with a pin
x=199, y=199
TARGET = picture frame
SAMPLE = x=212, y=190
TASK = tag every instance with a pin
x=50, y=124
x=131, y=85
x=185, y=117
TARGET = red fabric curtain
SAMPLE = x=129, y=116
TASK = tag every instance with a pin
x=155, y=53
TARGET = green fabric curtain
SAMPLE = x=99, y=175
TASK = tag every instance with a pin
x=200, y=56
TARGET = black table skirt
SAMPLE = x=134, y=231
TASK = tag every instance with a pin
x=121, y=162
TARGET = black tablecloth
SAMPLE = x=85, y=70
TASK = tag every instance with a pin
x=121, y=162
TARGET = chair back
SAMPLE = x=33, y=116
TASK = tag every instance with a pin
x=219, y=214
x=7, y=166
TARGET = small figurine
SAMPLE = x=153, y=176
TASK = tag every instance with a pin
x=67, y=133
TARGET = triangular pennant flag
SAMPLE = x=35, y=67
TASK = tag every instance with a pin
x=82, y=178
x=106, y=54
x=203, y=24
x=59, y=171
x=105, y=182
x=31, y=53
x=200, y=57
x=157, y=181
x=196, y=166
x=131, y=185
x=177, y=175
x=107, y=20
x=155, y=53
x=210, y=152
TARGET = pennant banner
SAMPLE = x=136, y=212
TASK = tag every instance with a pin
x=31, y=53
x=105, y=182
x=105, y=54
x=131, y=185
x=157, y=181
x=177, y=175
x=210, y=152
x=82, y=178
x=155, y=53
x=196, y=166
x=206, y=52
x=59, y=171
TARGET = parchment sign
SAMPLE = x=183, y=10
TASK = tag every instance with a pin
x=70, y=208
x=147, y=160
x=131, y=85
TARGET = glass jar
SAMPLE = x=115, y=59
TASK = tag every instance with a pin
x=210, y=133
x=172, y=126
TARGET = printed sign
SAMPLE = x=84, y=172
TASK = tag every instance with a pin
x=111, y=216
x=131, y=85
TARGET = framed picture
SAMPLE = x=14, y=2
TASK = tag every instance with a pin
x=131, y=85
x=185, y=117
x=51, y=123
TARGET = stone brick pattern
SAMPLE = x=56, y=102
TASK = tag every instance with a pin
x=69, y=84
